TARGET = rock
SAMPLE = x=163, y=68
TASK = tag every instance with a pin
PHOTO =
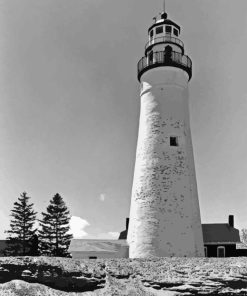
x=18, y=287
x=106, y=277
x=26, y=273
x=185, y=288
x=156, y=286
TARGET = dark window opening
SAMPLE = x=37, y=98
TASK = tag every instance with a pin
x=175, y=32
x=92, y=257
x=152, y=34
x=159, y=30
x=168, y=54
x=168, y=29
x=173, y=141
x=151, y=57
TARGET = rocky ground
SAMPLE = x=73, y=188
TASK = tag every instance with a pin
x=29, y=276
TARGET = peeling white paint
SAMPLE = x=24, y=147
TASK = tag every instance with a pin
x=164, y=215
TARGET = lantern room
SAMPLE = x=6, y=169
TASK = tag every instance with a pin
x=164, y=48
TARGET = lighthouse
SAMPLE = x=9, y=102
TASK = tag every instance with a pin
x=164, y=213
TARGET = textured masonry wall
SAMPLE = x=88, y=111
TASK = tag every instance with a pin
x=164, y=216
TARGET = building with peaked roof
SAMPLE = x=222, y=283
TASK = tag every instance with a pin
x=220, y=239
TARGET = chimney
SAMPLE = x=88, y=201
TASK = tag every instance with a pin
x=127, y=223
x=231, y=220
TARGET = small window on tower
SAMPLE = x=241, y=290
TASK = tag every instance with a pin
x=159, y=30
x=152, y=34
x=168, y=29
x=150, y=57
x=173, y=141
x=175, y=32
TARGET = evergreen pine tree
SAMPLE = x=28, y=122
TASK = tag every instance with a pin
x=54, y=226
x=21, y=227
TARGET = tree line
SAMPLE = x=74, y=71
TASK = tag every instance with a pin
x=50, y=238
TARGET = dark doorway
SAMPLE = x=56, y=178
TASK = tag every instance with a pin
x=221, y=252
x=168, y=53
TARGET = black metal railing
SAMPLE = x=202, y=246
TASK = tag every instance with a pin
x=163, y=58
x=164, y=39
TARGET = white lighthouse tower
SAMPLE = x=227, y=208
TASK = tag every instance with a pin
x=164, y=214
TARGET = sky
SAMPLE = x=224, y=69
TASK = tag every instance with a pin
x=69, y=105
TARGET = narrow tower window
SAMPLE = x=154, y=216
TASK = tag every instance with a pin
x=174, y=141
x=150, y=57
x=168, y=54
x=151, y=34
x=168, y=29
x=175, y=32
x=159, y=30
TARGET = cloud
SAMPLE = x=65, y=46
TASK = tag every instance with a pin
x=77, y=226
x=102, y=197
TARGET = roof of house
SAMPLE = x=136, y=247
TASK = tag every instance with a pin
x=96, y=245
x=220, y=233
x=123, y=234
